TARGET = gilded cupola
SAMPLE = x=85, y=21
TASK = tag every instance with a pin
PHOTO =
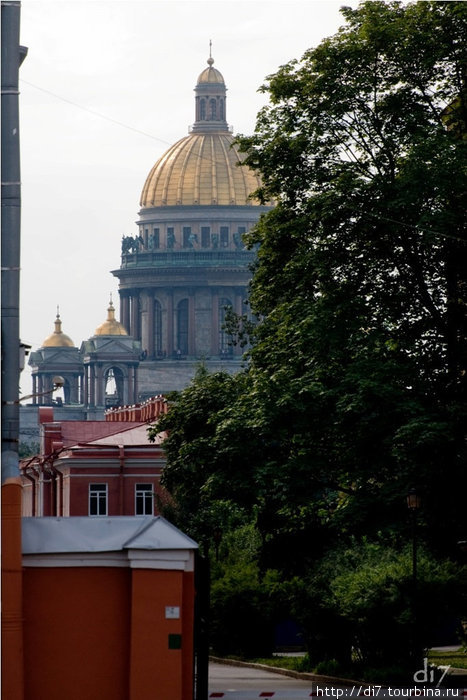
x=58, y=339
x=110, y=326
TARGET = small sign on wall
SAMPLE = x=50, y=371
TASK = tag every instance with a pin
x=172, y=612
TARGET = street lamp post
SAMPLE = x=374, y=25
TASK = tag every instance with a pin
x=413, y=504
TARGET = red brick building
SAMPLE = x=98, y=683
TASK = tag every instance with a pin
x=95, y=468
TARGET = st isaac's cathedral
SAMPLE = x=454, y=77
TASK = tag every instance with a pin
x=178, y=275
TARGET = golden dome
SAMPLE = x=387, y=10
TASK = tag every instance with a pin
x=111, y=326
x=210, y=74
x=200, y=169
x=58, y=339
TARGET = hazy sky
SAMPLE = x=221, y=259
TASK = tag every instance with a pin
x=106, y=88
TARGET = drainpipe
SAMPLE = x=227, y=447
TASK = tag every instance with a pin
x=56, y=498
x=56, y=472
x=121, y=452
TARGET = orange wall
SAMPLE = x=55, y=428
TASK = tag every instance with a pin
x=161, y=668
x=76, y=629
x=12, y=620
x=98, y=633
x=188, y=634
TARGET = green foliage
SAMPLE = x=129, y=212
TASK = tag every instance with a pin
x=241, y=614
x=361, y=281
x=243, y=603
x=368, y=590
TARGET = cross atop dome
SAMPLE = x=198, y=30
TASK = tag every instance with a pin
x=210, y=59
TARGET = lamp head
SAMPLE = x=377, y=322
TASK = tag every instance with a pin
x=414, y=500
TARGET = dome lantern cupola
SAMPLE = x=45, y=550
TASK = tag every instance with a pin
x=210, y=100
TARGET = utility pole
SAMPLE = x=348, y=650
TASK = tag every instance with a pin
x=12, y=57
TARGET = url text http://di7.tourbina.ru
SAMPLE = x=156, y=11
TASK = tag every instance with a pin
x=380, y=691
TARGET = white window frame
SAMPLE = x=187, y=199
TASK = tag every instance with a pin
x=99, y=495
x=141, y=492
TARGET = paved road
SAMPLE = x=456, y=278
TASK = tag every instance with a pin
x=233, y=682
x=243, y=683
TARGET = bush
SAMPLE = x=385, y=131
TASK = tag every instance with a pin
x=241, y=615
x=368, y=590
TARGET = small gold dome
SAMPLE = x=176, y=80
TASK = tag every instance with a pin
x=58, y=339
x=210, y=74
x=111, y=326
x=200, y=169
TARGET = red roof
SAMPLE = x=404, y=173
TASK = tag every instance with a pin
x=79, y=431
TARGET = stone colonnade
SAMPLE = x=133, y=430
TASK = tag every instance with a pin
x=186, y=320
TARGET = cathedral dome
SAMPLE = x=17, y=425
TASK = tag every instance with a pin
x=58, y=339
x=200, y=169
x=110, y=326
x=204, y=167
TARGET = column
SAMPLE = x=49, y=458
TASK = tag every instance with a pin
x=92, y=386
x=100, y=386
x=170, y=323
x=191, y=322
x=40, y=389
x=125, y=310
x=215, y=322
x=134, y=325
x=85, y=391
x=151, y=347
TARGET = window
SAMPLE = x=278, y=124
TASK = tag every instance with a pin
x=212, y=107
x=205, y=236
x=202, y=111
x=186, y=237
x=154, y=241
x=144, y=499
x=97, y=499
x=224, y=231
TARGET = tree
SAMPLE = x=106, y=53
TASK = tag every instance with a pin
x=361, y=273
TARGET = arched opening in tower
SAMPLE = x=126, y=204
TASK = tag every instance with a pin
x=114, y=381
